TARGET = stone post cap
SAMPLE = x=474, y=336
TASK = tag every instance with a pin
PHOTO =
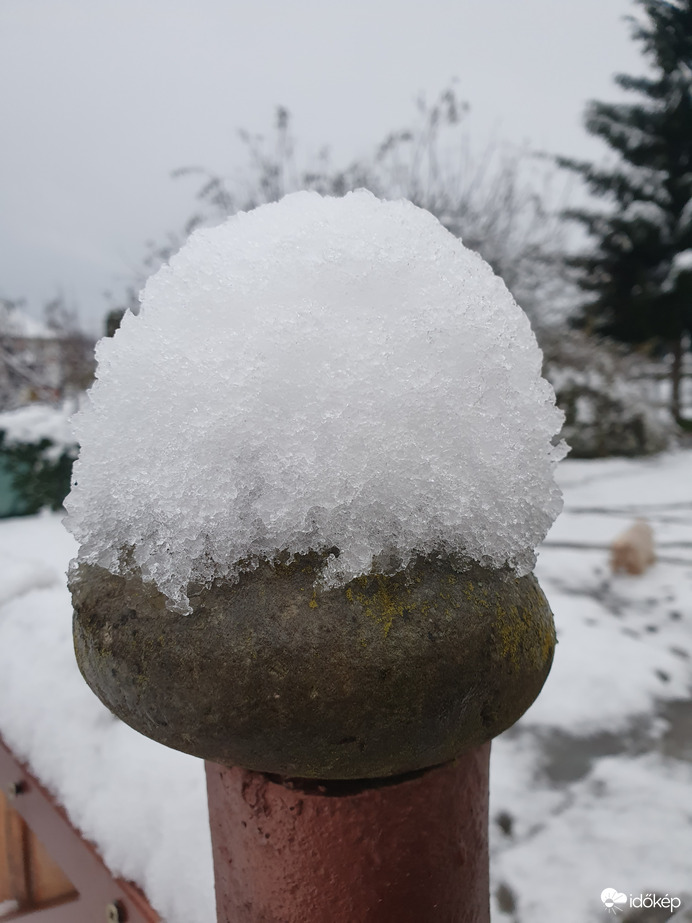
x=386, y=675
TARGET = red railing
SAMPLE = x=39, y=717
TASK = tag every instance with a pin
x=52, y=873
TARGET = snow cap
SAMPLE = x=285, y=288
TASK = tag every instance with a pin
x=319, y=373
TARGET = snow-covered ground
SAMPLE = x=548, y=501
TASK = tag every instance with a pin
x=591, y=790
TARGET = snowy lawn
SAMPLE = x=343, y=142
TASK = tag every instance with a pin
x=592, y=789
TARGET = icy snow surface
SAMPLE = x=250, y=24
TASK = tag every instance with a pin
x=593, y=785
x=317, y=373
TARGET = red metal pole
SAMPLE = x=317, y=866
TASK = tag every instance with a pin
x=412, y=849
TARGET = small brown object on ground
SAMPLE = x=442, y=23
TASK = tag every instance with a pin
x=633, y=550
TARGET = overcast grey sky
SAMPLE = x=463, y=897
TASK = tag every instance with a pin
x=101, y=99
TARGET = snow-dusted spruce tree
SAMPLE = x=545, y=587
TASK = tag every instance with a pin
x=638, y=272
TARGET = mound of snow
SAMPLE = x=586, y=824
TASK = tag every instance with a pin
x=318, y=373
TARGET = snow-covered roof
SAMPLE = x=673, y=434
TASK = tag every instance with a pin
x=579, y=824
x=17, y=323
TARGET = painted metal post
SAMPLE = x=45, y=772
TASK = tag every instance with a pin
x=409, y=849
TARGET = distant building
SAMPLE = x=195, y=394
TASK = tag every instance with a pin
x=38, y=363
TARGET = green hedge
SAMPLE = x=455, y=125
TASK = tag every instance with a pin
x=32, y=476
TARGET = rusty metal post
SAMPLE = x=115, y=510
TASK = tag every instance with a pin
x=409, y=849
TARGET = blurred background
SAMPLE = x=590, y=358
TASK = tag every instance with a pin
x=126, y=125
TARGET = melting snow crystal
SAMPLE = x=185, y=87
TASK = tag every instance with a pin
x=317, y=373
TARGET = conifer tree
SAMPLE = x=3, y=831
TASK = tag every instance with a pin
x=638, y=272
